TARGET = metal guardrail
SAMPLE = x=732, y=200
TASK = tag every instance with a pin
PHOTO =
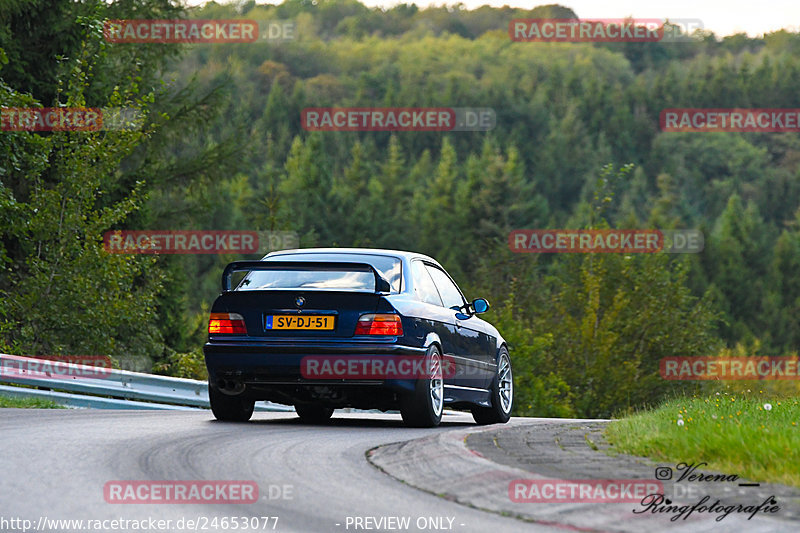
x=85, y=401
x=85, y=386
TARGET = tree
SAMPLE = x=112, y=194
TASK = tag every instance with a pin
x=61, y=292
x=307, y=187
x=736, y=260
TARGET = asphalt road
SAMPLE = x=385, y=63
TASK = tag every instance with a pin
x=54, y=464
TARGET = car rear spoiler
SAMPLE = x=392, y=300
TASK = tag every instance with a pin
x=381, y=285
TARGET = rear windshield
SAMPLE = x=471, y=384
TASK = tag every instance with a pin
x=388, y=267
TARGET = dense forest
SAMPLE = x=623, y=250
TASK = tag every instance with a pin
x=576, y=145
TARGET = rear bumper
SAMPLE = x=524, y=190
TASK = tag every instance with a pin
x=273, y=369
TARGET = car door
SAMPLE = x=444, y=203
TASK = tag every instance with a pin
x=473, y=344
x=438, y=318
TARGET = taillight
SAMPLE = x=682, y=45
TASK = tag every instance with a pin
x=226, y=323
x=379, y=324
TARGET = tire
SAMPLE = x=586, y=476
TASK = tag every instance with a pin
x=230, y=408
x=502, y=394
x=423, y=407
x=315, y=414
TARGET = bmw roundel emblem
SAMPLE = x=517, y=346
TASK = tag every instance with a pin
x=299, y=301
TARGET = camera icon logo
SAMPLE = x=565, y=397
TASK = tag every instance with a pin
x=663, y=473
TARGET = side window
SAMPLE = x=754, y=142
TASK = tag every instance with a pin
x=423, y=284
x=450, y=294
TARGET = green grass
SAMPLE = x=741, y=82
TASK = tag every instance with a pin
x=749, y=435
x=28, y=403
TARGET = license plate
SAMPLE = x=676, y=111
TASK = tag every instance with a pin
x=299, y=322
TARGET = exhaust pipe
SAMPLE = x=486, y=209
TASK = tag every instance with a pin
x=229, y=386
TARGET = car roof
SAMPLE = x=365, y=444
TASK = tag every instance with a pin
x=371, y=251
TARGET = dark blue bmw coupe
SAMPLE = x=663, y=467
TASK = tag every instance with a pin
x=329, y=328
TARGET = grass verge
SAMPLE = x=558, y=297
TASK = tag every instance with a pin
x=28, y=403
x=735, y=433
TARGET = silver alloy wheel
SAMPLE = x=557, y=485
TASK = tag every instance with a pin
x=505, y=384
x=437, y=385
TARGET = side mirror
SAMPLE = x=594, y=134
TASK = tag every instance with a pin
x=480, y=305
